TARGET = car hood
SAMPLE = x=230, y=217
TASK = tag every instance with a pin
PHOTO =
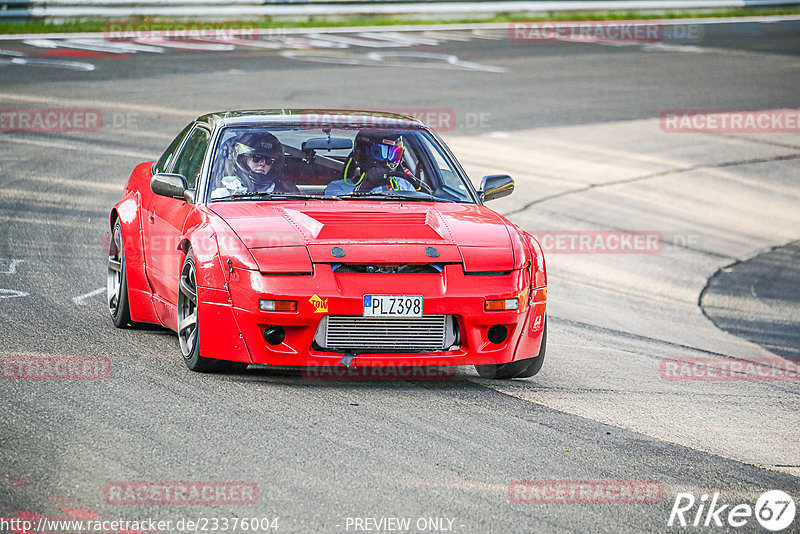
x=410, y=232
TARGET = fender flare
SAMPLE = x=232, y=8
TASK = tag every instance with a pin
x=539, y=267
x=220, y=335
x=128, y=211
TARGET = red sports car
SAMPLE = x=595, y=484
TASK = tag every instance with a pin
x=325, y=238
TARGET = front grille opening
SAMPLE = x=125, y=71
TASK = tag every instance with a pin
x=415, y=268
x=354, y=333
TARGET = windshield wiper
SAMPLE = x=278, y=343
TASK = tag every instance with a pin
x=290, y=196
x=418, y=195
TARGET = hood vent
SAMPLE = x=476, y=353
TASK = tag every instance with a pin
x=358, y=218
x=415, y=268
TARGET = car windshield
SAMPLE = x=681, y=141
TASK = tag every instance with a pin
x=257, y=163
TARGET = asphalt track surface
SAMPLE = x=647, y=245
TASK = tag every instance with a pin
x=577, y=125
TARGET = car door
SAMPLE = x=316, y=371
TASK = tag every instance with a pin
x=166, y=217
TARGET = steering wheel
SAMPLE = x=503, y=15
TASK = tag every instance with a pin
x=416, y=182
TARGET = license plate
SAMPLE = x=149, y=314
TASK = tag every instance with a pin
x=392, y=305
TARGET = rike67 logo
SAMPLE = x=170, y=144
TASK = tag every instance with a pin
x=774, y=510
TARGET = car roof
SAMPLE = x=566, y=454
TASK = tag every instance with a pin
x=336, y=118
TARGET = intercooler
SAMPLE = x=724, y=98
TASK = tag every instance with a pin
x=429, y=333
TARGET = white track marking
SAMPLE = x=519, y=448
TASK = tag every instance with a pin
x=438, y=61
x=353, y=41
x=194, y=44
x=123, y=47
x=47, y=62
x=12, y=293
x=665, y=47
x=70, y=43
x=253, y=43
x=12, y=267
x=79, y=300
x=307, y=43
x=447, y=36
x=408, y=59
x=396, y=38
x=94, y=45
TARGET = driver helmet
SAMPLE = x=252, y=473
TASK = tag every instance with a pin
x=256, y=155
x=378, y=148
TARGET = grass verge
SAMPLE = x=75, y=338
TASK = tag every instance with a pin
x=73, y=26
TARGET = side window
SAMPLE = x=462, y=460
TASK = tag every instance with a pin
x=190, y=161
x=166, y=158
x=449, y=176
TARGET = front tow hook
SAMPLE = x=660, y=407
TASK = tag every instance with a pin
x=348, y=359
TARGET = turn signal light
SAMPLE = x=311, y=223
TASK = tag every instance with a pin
x=278, y=305
x=501, y=304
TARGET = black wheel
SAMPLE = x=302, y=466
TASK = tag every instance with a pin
x=117, y=281
x=520, y=369
x=188, y=331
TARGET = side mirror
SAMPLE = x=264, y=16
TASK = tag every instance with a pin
x=168, y=185
x=496, y=186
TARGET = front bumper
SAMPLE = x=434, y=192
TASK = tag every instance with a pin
x=450, y=292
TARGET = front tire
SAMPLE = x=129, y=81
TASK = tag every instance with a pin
x=188, y=326
x=520, y=369
x=117, y=281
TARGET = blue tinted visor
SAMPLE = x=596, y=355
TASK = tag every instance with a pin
x=390, y=153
